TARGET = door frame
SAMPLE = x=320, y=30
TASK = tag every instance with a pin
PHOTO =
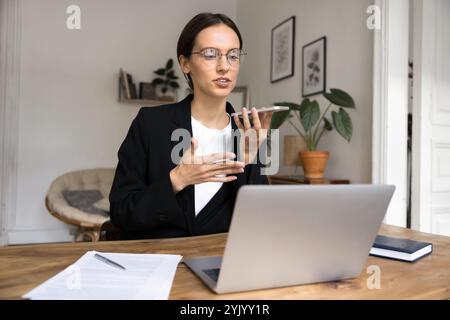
x=390, y=105
x=10, y=32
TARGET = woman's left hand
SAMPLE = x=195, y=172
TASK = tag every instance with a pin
x=261, y=125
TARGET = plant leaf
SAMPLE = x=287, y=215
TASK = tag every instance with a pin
x=174, y=84
x=327, y=125
x=157, y=81
x=309, y=114
x=160, y=71
x=343, y=123
x=171, y=75
x=169, y=64
x=278, y=119
x=340, y=98
x=304, y=104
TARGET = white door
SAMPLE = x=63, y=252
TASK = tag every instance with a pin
x=431, y=117
x=390, y=105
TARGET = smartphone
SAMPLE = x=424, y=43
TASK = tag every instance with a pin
x=221, y=161
x=264, y=109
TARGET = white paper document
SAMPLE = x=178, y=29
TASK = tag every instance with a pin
x=146, y=276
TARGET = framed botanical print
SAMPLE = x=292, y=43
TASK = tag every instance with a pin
x=282, y=52
x=314, y=67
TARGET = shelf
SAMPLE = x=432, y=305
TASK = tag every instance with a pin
x=150, y=103
x=125, y=81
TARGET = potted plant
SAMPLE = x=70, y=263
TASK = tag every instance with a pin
x=166, y=81
x=314, y=124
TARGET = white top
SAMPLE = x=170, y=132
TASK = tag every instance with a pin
x=209, y=141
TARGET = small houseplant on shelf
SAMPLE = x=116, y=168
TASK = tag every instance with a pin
x=166, y=82
x=315, y=124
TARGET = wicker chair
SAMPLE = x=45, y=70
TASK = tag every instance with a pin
x=88, y=224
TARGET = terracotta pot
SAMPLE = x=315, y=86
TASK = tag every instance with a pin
x=314, y=163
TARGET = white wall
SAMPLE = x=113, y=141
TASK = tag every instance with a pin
x=349, y=67
x=69, y=115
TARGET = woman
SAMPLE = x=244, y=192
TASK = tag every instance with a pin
x=152, y=195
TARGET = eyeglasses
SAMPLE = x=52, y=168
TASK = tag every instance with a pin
x=211, y=56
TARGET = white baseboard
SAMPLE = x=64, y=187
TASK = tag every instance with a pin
x=3, y=240
x=40, y=236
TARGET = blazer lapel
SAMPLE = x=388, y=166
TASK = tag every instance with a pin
x=181, y=116
x=181, y=119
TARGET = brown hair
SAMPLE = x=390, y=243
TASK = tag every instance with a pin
x=194, y=26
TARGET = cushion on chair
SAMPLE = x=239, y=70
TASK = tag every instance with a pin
x=85, y=200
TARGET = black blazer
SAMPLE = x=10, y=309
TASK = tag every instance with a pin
x=142, y=201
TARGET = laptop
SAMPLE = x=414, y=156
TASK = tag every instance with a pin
x=284, y=235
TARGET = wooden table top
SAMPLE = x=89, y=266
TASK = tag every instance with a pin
x=24, y=267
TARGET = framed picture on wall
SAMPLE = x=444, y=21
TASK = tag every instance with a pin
x=314, y=67
x=282, y=52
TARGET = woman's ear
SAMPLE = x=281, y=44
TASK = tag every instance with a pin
x=184, y=64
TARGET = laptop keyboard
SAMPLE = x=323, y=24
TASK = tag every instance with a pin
x=212, y=273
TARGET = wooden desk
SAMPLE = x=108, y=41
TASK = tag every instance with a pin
x=24, y=267
x=286, y=179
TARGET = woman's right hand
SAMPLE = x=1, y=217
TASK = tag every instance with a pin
x=195, y=170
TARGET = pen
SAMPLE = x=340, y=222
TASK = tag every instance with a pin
x=108, y=261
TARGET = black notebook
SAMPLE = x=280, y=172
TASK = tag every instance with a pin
x=400, y=249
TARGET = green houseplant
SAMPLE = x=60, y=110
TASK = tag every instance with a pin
x=166, y=80
x=314, y=124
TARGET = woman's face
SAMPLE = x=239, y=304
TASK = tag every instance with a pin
x=214, y=78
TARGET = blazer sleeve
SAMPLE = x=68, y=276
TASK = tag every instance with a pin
x=254, y=175
x=137, y=204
